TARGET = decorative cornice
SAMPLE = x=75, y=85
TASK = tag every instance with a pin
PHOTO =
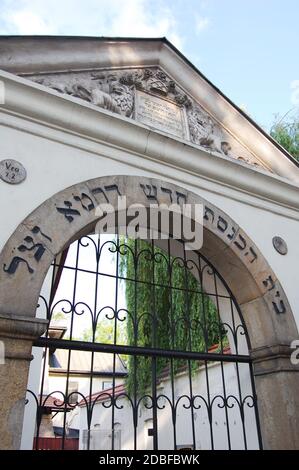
x=118, y=91
x=21, y=327
x=29, y=55
x=39, y=105
x=272, y=359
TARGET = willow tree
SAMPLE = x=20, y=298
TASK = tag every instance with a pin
x=167, y=309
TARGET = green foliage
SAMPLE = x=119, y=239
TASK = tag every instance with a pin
x=58, y=316
x=167, y=310
x=286, y=133
x=104, y=333
x=60, y=319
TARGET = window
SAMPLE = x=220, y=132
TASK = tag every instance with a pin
x=106, y=385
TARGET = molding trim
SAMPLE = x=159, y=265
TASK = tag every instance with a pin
x=37, y=54
x=21, y=327
x=40, y=105
x=272, y=359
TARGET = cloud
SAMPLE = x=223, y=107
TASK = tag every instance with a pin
x=28, y=22
x=139, y=18
x=201, y=23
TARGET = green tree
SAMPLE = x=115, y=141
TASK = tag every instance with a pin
x=58, y=316
x=167, y=309
x=285, y=131
x=104, y=332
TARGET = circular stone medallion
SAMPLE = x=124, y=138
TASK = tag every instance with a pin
x=12, y=171
x=280, y=245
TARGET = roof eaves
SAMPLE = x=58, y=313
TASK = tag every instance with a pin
x=165, y=41
x=259, y=128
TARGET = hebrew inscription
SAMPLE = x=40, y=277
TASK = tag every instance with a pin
x=269, y=283
x=277, y=303
x=85, y=201
x=160, y=114
x=279, y=306
x=29, y=245
x=151, y=192
x=30, y=252
x=220, y=223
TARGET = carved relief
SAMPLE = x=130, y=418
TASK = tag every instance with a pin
x=115, y=91
x=29, y=245
x=206, y=133
x=107, y=92
x=151, y=193
x=85, y=201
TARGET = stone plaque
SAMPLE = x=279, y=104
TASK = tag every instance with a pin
x=12, y=171
x=161, y=114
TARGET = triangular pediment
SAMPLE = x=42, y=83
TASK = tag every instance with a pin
x=151, y=82
x=151, y=97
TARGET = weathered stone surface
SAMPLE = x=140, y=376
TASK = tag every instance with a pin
x=121, y=91
x=13, y=379
x=254, y=261
x=24, y=263
x=17, y=334
x=279, y=307
x=12, y=172
x=220, y=224
x=276, y=381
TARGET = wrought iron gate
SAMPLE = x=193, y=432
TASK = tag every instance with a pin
x=145, y=349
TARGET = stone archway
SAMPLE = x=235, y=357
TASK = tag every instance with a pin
x=27, y=255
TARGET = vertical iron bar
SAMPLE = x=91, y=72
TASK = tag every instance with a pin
x=206, y=335
x=172, y=372
x=45, y=360
x=190, y=346
x=258, y=425
x=221, y=363
x=135, y=332
x=69, y=353
x=89, y=409
x=210, y=411
x=154, y=359
x=240, y=393
x=114, y=341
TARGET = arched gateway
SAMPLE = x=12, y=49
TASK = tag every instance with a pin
x=197, y=344
x=231, y=271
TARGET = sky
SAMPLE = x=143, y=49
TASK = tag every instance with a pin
x=247, y=48
x=88, y=297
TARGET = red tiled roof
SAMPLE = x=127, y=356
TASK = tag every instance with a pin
x=226, y=349
x=53, y=402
